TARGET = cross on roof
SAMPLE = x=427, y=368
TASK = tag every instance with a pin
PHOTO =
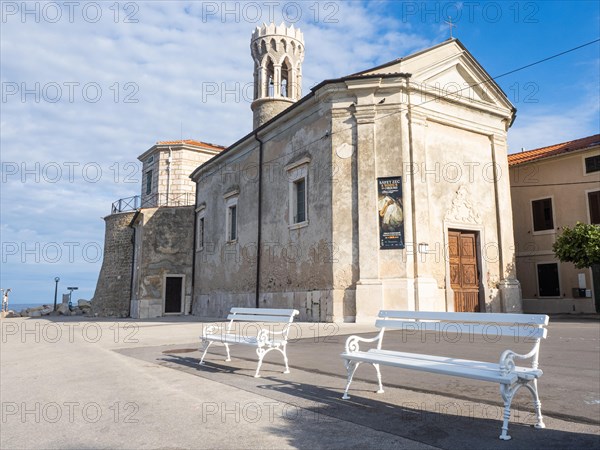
x=450, y=25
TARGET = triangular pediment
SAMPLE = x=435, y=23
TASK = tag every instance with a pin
x=445, y=69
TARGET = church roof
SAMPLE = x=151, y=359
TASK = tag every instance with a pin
x=193, y=143
x=553, y=150
x=393, y=71
x=396, y=61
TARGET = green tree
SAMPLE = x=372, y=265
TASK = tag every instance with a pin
x=579, y=245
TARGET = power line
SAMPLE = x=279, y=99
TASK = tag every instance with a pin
x=554, y=184
x=401, y=110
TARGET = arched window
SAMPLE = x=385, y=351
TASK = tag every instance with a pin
x=286, y=79
x=256, y=81
x=270, y=88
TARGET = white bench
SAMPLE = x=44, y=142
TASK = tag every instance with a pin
x=510, y=377
x=263, y=339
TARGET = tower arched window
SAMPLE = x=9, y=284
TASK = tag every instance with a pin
x=256, y=81
x=286, y=79
x=270, y=88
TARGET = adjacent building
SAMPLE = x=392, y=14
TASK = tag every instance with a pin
x=149, y=239
x=553, y=187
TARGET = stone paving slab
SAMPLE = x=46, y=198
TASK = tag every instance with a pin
x=436, y=420
x=136, y=384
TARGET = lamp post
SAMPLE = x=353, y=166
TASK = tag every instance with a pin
x=56, y=280
x=71, y=289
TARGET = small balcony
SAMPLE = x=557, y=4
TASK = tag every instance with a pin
x=152, y=201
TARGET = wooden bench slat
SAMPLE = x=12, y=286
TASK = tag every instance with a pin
x=537, y=319
x=433, y=367
x=490, y=329
x=237, y=339
x=461, y=362
x=257, y=318
x=266, y=311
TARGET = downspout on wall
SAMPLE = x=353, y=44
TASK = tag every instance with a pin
x=194, y=252
x=259, y=223
x=169, y=159
x=132, y=226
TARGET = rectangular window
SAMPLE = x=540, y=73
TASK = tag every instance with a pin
x=542, y=214
x=592, y=164
x=148, y=182
x=300, y=203
x=232, y=223
x=594, y=205
x=548, y=284
x=200, y=232
x=297, y=173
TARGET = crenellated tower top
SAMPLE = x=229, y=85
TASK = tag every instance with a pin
x=278, y=52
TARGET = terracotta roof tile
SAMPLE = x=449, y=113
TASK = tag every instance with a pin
x=553, y=150
x=193, y=143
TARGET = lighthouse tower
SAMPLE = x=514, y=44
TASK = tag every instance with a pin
x=278, y=52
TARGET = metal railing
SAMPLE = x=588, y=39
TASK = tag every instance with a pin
x=152, y=201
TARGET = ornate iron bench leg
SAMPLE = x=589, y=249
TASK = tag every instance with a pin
x=206, y=345
x=285, y=358
x=228, y=355
x=508, y=392
x=261, y=354
x=380, y=391
x=536, y=402
x=351, y=366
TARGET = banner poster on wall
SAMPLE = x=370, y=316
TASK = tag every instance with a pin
x=391, y=213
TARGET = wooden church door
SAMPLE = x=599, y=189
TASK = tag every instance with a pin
x=464, y=270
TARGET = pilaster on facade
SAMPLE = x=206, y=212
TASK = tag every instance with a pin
x=365, y=114
x=509, y=286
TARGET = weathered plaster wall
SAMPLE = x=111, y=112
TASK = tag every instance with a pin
x=164, y=242
x=296, y=270
x=113, y=288
x=459, y=173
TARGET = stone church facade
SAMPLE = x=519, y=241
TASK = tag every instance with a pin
x=384, y=189
x=291, y=215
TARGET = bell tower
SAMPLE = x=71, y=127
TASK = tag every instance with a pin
x=278, y=52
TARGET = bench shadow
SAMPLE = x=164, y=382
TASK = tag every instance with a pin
x=314, y=409
x=445, y=425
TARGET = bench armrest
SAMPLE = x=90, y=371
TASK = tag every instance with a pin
x=507, y=359
x=210, y=329
x=352, y=343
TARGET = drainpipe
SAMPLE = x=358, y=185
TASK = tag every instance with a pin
x=259, y=223
x=131, y=285
x=194, y=253
x=169, y=159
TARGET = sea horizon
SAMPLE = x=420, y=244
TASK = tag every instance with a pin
x=22, y=306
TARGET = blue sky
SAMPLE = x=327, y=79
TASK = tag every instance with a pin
x=89, y=86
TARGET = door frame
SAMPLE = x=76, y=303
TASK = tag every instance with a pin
x=481, y=262
x=164, y=293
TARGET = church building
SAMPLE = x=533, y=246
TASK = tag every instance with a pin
x=383, y=189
